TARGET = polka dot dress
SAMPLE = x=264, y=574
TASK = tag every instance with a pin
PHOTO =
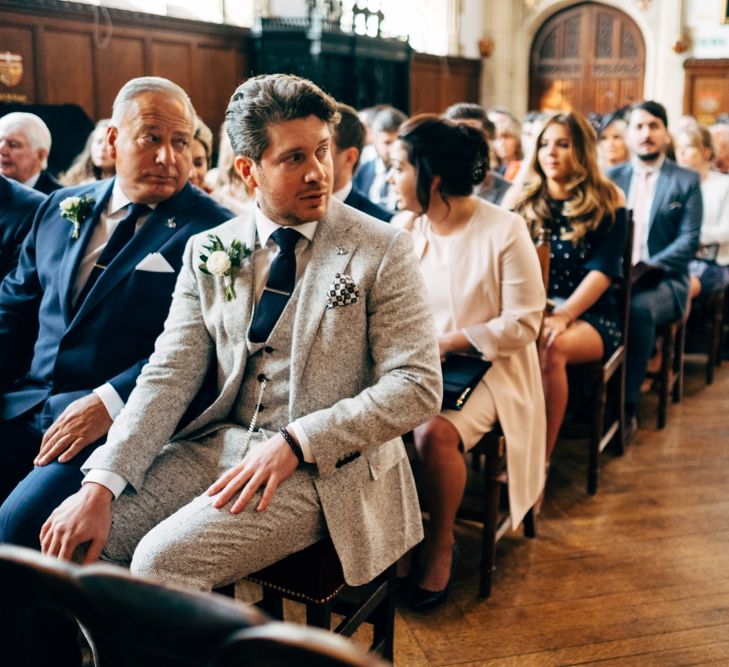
x=569, y=264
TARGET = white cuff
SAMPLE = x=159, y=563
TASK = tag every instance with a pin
x=111, y=399
x=115, y=483
x=303, y=441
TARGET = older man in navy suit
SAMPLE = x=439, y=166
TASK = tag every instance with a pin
x=667, y=211
x=17, y=208
x=80, y=313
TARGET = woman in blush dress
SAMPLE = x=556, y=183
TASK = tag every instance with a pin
x=485, y=289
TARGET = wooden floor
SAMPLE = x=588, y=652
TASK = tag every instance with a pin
x=636, y=575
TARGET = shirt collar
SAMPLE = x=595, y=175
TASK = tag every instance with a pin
x=30, y=183
x=342, y=194
x=119, y=200
x=265, y=227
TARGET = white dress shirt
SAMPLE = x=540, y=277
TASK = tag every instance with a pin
x=641, y=222
x=263, y=256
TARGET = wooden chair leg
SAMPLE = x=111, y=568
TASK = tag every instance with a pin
x=530, y=524
x=678, y=364
x=717, y=315
x=665, y=375
x=598, y=426
x=492, y=495
x=383, y=630
x=272, y=604
x=319, y=615
x=619, y=388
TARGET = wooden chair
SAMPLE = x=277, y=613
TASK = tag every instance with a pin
x=669, y=378
x=489, y=456
x=285, y=644
x=707, y=315
x=314, y=578
x=126, y=620
x=607, y=381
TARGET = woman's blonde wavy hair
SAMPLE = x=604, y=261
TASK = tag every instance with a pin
x=591, y=195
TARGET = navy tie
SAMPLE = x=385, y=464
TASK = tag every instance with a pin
x=123, y=233
x=280, y=285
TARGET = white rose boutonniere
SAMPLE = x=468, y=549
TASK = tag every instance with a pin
x=77, y=209
x=220, y=261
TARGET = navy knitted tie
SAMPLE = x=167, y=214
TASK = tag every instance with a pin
x=280, y=285
x=123, y=233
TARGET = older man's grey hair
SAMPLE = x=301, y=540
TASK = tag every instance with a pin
x=273, y=98
x=148, y=84
x=35, y=130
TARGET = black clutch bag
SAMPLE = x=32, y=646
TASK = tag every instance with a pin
x=461, y=374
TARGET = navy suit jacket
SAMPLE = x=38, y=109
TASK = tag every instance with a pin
x=357, y=200
x=17, y=208
x=364, y=176
x=674, y=224
x=53, y=354
x=47, y=183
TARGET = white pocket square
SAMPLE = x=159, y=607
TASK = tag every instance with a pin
x=155, y=263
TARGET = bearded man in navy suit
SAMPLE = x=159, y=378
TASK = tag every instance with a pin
x=80, y=313
x=667, y=211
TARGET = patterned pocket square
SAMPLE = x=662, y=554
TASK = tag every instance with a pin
x=343, y=291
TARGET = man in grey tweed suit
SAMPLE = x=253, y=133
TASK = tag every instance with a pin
x=314, y=387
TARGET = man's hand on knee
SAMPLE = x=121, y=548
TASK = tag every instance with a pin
x=83, y=518
x=267, y=464
x=84, y=421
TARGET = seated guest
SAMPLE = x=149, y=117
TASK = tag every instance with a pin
x=202, y=154
x=667, y=211
x=710, y=270
x=326, y=323
x=18, y=205
x=485, y=289
x=224, y=182
x=371, y=177
x=347, y=143
x=507, y=146
x=720, y=141
x=25, y=143
x=93, y=163
x=611, y=135
x=493, y=187
x=80, y=314
x=585, y=217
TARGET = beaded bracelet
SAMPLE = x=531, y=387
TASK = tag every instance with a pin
x=295, y=447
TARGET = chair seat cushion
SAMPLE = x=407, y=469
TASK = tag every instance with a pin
x=313, y=574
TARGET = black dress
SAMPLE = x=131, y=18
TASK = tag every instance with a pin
x=599, y=250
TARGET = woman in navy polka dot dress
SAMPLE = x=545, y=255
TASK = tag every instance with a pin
x=584, y=214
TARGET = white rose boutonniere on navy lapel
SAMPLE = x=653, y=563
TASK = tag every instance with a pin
x=221, y=261
x=77, y=210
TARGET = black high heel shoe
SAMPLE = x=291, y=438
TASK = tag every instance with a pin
x=424, y=600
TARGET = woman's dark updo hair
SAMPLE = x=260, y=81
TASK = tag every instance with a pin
x=435, y=146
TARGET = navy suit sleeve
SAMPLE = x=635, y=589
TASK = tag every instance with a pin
x=675, y=257
x=20, y=297
x=124, y=382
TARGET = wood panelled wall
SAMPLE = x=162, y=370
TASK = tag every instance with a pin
x=706, y=90
x=439, y=81
x=67, y=58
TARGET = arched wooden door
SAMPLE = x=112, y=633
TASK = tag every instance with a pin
x=588, y=57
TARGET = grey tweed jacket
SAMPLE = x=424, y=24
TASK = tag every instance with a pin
x=362, y=374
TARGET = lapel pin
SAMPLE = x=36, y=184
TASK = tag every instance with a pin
x=341, y=251
x=171, y=223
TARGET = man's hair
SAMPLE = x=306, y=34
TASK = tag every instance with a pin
x=349, y=132
x=268, y=99
x=653, y=108
x=388, y=119
x=471, y=111
x=147, y=84
x=32, y=126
